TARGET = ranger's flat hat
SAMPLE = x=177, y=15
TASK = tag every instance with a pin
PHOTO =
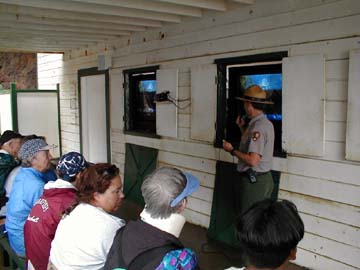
x=255, y=94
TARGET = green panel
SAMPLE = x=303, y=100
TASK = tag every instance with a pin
x=223, y=213
x=139, y=162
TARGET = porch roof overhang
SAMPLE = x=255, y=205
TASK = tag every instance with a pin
x=62, y=25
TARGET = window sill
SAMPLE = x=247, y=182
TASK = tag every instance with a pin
x=142, y=134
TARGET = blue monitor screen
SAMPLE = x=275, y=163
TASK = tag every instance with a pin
x=148, y=86
x=268, y=82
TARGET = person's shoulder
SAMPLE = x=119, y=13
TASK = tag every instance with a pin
x=263, y=123
x=7, y=160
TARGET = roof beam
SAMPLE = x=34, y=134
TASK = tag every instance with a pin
x=56, y=14
x=51, y=34
x=71, y=23
x=219, y=5
x=149, y=6
x=249, y=2
x=62, y=28
x=95, y=9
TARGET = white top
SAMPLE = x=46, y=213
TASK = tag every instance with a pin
x=172, y=224
x=83, y=238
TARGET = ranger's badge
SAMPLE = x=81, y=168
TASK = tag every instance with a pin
x=255, y=136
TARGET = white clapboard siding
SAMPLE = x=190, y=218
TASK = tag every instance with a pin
x=206, y=179
x=335, y=131
x=203, y=103
x=303, y=104
x=195, y=163
x=188, y=148
x=334, y=151
x=353, y=106
x=116, y=99
x=315, y=261
x=321, y=188
x=196, y=218
x=333, y=230
x=184, y=120
x=325, y=169
x=198, y=205
x=326, y=209
x=332, y=249
x=166, y=112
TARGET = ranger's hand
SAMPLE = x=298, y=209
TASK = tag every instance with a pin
x=227, y=146
x=240, y=121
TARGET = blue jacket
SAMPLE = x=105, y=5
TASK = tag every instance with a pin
x=27, y=189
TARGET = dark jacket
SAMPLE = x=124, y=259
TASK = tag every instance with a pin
x=7, y=163
x=40, y=226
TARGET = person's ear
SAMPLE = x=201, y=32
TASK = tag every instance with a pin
x=182, y=206
x=292, y=255
x=96, y=196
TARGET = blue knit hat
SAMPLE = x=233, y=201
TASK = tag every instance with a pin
x=70, y=165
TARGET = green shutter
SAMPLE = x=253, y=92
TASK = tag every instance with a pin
x=139, y=162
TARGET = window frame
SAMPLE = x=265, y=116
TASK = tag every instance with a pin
x=257, y=60
x=130, y=100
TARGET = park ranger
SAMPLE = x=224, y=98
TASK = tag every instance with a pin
x=255, y=153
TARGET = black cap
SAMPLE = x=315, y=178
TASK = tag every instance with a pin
x=9, y=135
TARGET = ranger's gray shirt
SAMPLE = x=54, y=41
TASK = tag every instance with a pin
x=258, y=138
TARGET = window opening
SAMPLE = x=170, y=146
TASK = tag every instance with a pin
x=140, y=107
x=239, y=75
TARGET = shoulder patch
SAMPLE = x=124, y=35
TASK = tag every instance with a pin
x=255, y=136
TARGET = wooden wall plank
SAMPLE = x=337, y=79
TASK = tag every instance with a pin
x=337, y=212
x=324, y=169
x=197, y=218
x=331, y=249
x=320, y=188
x=332, y=230
x=318, y=262
x=190, y=162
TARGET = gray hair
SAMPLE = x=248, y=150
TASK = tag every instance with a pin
x=27, y=162
x=160, y=188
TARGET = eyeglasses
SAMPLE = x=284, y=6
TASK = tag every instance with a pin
x=111, y=170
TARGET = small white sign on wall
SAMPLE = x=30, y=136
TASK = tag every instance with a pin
x=303, y=105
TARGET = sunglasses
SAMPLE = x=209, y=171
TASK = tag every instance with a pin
x=111, y=170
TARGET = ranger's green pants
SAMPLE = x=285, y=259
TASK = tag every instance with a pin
x=249, y=193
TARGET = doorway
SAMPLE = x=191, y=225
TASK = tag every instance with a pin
x=94, y=114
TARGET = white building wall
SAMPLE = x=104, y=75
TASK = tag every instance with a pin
x=325, y=189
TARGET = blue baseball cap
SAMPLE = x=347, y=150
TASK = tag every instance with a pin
x=70, y=164
x=192, y=184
